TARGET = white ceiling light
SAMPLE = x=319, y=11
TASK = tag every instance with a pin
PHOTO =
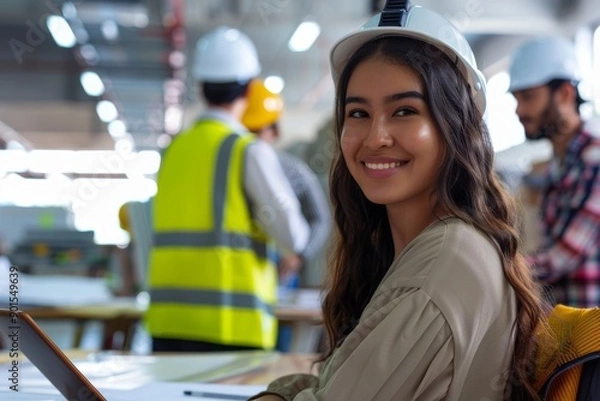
x=173, y=119
x=106, y=111
x=596, y=69
x=14, y=161
x=144, y=162
x=110, y=30
x=304, y=36
x=61, y=31
x=274, y=83
x=163, y=140
x=69, y=10
x=50, y=161
x=140, y=20
x=83, y=161
x=125, y=145
x=92, y=84
x=117, y=128
x=177, y=59
x=89, y=53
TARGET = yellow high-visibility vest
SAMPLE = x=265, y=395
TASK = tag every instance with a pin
x=211, y=277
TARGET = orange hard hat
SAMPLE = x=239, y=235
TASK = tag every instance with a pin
x=264, y=106
x=124, y=218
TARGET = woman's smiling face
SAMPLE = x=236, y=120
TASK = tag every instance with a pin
x=389, y=140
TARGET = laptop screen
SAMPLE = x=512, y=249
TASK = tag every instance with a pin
x=22, y=336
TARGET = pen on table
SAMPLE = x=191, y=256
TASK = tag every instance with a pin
x=219, y=396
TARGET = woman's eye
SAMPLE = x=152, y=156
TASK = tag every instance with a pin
x=405, y=111
x=357, y=113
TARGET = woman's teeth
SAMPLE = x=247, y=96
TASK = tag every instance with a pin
x=383, y=166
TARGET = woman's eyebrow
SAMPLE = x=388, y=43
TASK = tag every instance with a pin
x=355, y=99
x=388, y=99
x=404, y=95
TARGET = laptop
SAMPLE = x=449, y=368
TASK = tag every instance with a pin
x=21, y=335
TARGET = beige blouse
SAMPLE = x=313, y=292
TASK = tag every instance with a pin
x=437, y=328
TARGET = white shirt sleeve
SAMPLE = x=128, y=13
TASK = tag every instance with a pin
x=273, y=201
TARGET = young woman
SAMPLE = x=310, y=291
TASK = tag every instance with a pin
x=428, y=298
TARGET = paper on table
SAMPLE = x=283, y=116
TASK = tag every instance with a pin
x=174, y=391
x=157, y=391
x=6, y=395
x=127, y=372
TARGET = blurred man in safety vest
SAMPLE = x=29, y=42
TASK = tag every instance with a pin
x=221, y=196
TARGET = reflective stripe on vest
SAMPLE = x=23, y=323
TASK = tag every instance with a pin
x=206, y=297
x=211, y=239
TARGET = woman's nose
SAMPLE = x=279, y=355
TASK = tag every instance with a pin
x=378, y=136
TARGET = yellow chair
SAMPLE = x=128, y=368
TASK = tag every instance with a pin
x=568, y=361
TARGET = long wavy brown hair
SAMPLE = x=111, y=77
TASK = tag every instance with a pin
x=467, y=188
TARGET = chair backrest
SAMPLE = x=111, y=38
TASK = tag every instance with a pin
x=568, y=360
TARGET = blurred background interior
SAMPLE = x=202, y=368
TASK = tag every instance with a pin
x=91, y=91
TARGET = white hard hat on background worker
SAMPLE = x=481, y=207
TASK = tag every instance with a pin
x=225, y=55
x=541, y=60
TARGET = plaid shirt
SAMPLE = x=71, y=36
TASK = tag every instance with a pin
x=569, y=260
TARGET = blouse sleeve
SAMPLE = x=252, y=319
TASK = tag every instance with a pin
x=289, y=386
x=401, y=350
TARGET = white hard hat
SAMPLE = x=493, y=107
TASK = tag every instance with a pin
x=225, y=55
x=541, y=60
x=417, y=23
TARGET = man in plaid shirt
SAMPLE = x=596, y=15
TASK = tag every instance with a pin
x=544, y=74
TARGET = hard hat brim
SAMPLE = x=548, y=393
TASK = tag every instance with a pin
x=345, y=48
x=540, y=80
x=517, y=86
